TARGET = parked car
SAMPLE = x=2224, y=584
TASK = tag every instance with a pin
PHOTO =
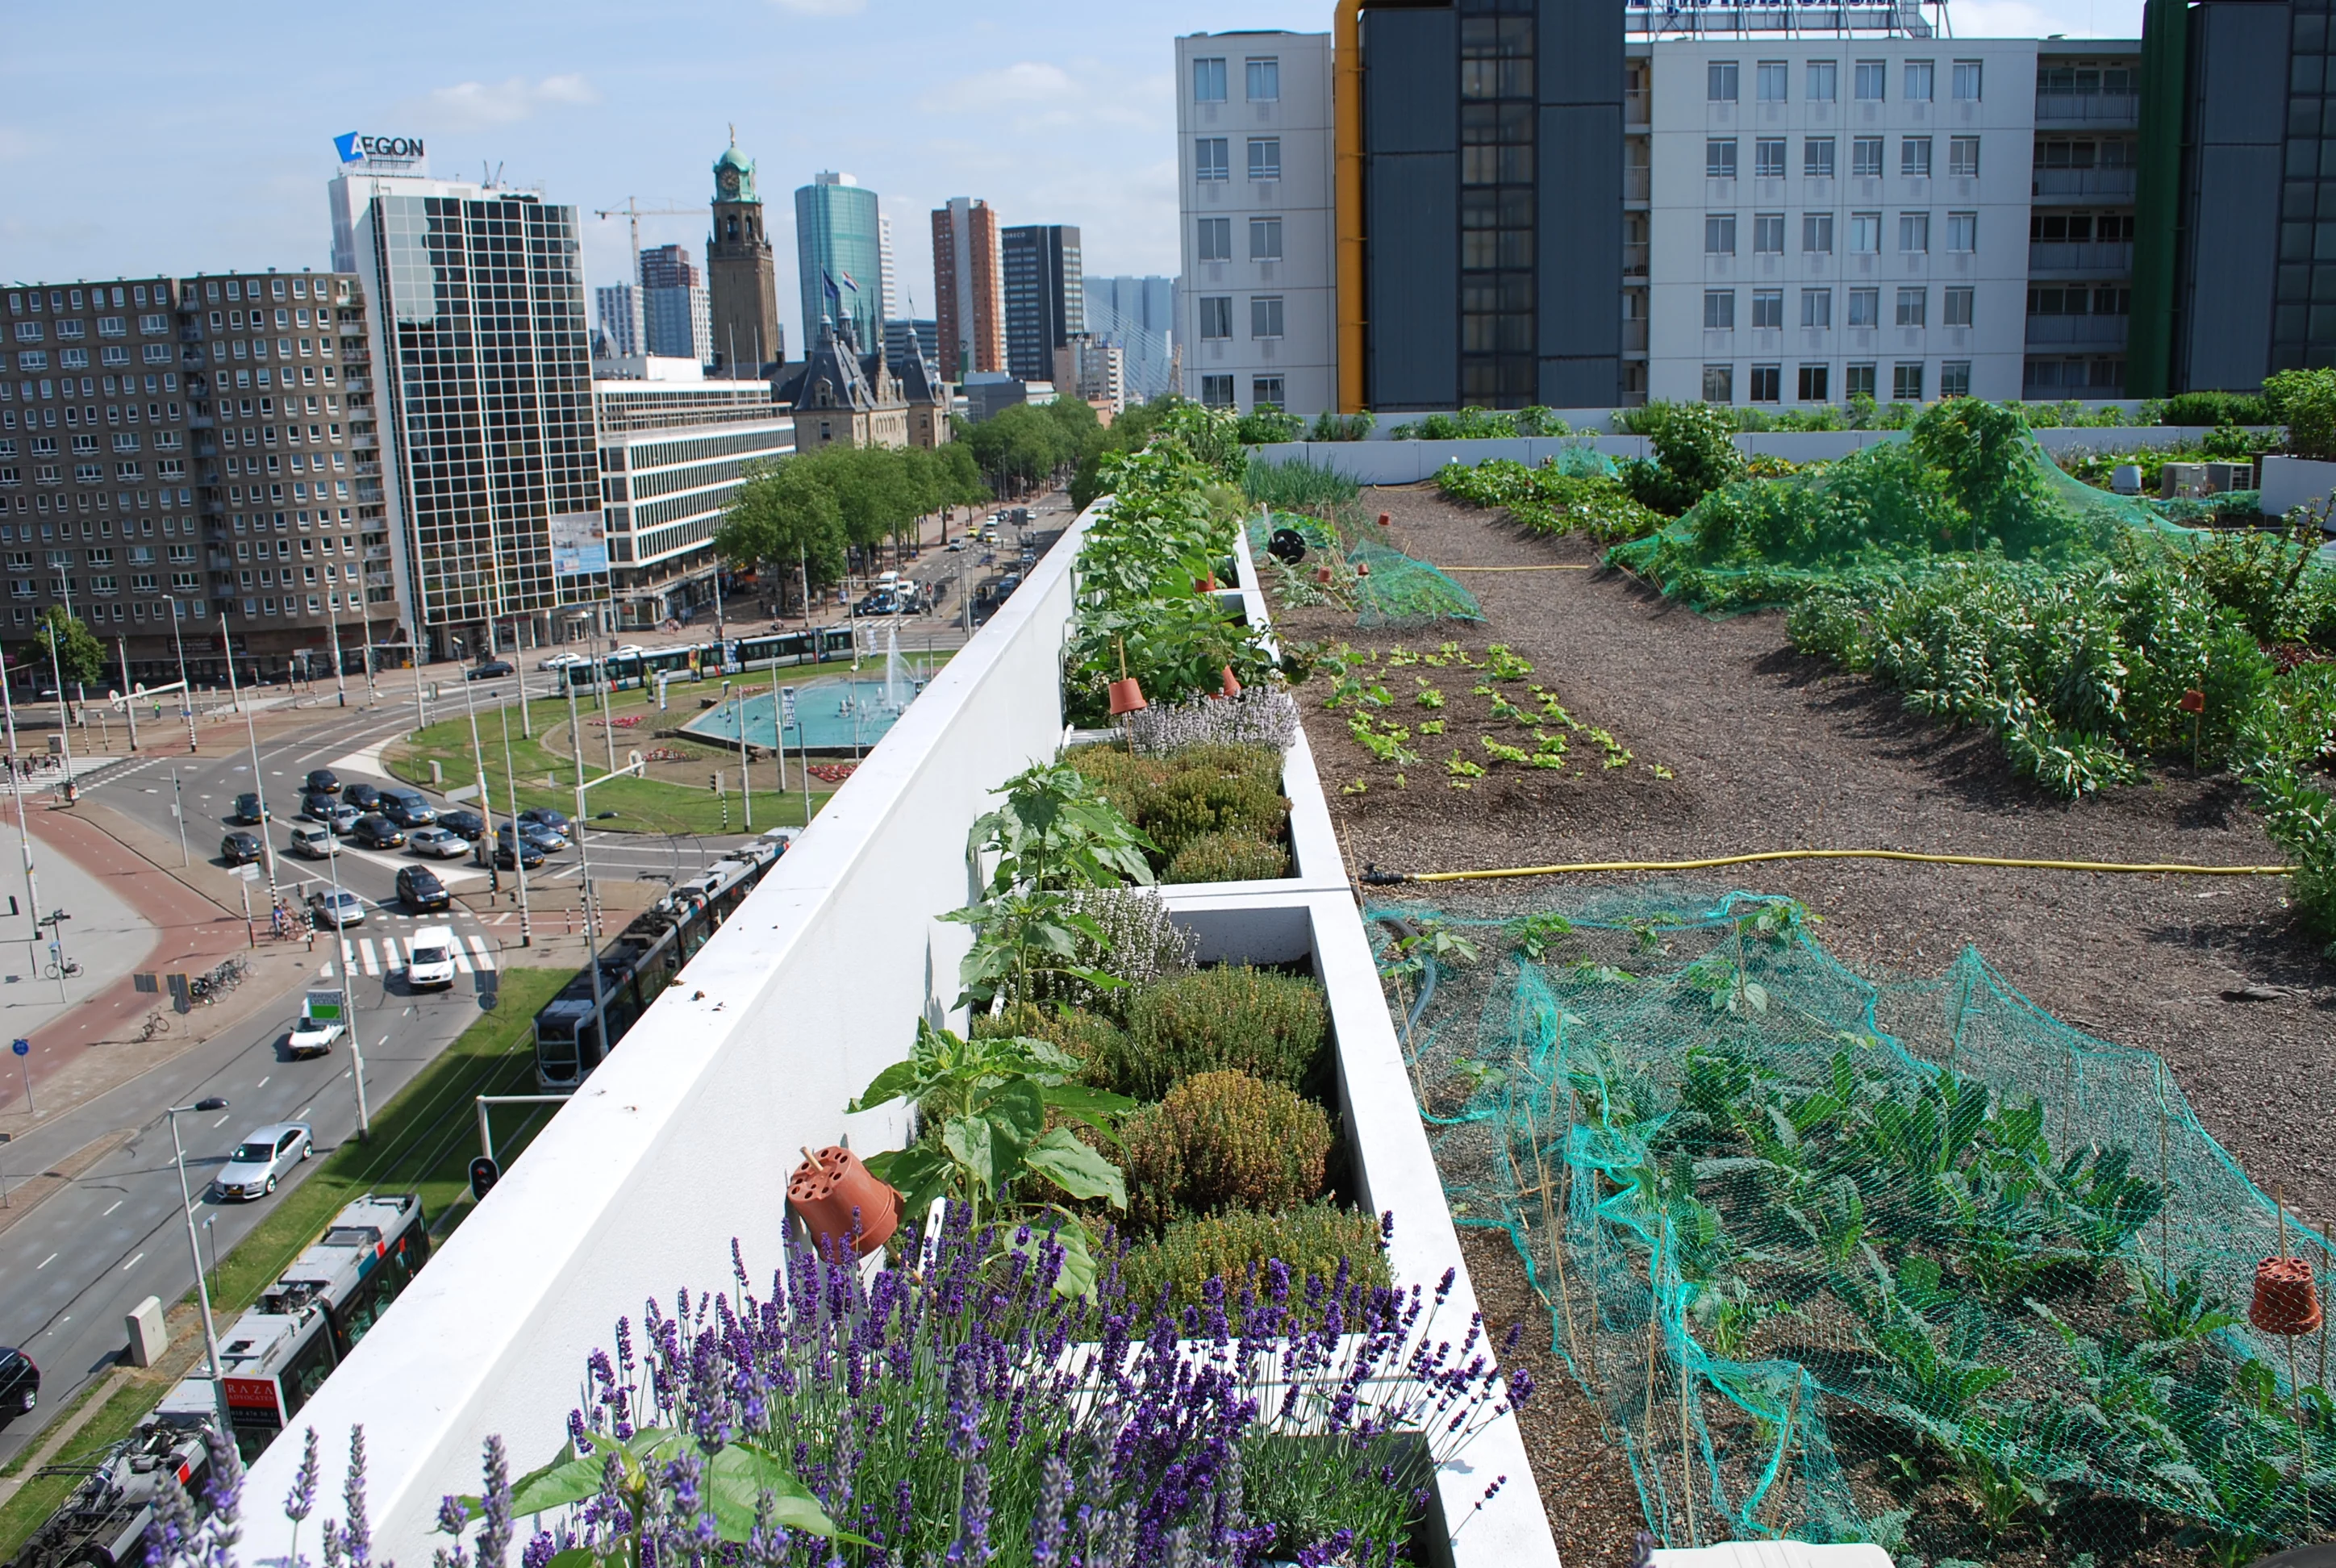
x=555, y=820
x=263, y=1157
x=363, y=796
x=378, y=833
x=468, y=825
x=529, y=857
x=432, y=963
x=342, y=820
x=248, y=810
x=337, y=907
x=419, y=889
x=20, y=1384
x=407, y=809
x=562, y=660
x=545, y=840
x=318, y=806
x=492, y=669
x=313, y=841
x=323, y=781
x=437, y=843
x=240, y=849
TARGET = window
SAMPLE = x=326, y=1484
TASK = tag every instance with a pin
x=1767, y=383
x=1216, y=317
x=1865, y=233
x=1914, y=157
x=1265, y=239
x=1865, y=158
x=1906, y=382
x=1217, y=391
x=1963, y=157
x=1957, y=308
x=1962, y=231
x=1768, y=158
x=1920, y=76
x=1870, y=74
x=1719, y=234
x=1216, y=239
x=1913, y=307
x=1857, y=380
x=1865, y=307
x=1267, y=389
x=1265, y=158
x=1825, y=81
x=1265, y=316
x=1210, y=160
x=1816, y=233
x=1719, y=384
x=1915, y=232
x=1768, y=309
x=1769, y=80
x=1768, y=234
x=1719, y=158
x=1720, y=310
x=1967, y=77
x=1264, y=80
x=1816, y=307
x=1954, y=378
x=1719, y=81
x=1817, y=158
x=111, y=326
x=1209, y=85
x=1813, y=382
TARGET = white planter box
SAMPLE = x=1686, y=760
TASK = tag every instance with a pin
x=2289, y=482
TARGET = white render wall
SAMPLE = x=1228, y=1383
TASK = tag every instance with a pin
x=1683, y=119
x=1305, y=355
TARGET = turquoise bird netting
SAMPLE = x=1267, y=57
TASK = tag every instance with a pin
x=1389, y=589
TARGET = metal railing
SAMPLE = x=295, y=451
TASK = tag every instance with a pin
x=2089, y=108
x=2094, y=258
x=2085, y=331
x=2113, y=184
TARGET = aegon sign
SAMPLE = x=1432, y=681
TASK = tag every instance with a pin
x=354, y=148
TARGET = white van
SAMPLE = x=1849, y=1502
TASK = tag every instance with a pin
x=314, y=841
x=432, y=965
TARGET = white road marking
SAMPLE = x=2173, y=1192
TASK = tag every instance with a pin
x=461, y=959
x=133, y=1263
x=44, y=1262
x=301, y=1114
x=364, y=950
x=263, y=1083
x=479, y=946
x=222, y=1121
x=117, y=1203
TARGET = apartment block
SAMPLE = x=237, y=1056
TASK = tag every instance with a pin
x=676, y=312
x=969, y=298
x=1256, y=305
x=1044, y=293
x=617, y=308
x=181, y=457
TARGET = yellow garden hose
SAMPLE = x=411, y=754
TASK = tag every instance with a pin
x=1375, y=876
x=1571, y=566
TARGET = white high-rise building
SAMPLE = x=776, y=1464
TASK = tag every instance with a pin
x=889, y=278
x=618, y=309
x=1256, y=307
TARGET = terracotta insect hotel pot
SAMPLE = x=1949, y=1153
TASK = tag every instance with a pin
x=1126, y=697
x=832, y=1193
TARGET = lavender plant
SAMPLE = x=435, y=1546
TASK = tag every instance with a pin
x=1261, y=716
x=1135, y=941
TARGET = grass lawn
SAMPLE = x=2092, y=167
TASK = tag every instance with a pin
x=39, y=1497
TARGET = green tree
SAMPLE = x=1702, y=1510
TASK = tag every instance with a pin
x=78, y=653
x=2305, y=401
x=785, y=512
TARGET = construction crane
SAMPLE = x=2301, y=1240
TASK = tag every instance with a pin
x=633, y=210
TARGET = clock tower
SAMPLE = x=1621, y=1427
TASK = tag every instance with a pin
x=740, y=274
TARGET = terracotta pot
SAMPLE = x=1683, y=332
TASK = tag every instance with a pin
x=1384, y=519
x=1362, y=569
x=2192, y=701
x=1230, y=687
x=1126, y=697
x=1207, y=584
x=2286, y=1301
x=829, y=1188
x=1322, y=574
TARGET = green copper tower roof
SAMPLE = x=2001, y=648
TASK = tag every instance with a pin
x=734, y=176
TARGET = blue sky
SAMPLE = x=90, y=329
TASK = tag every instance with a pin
x=175, y=138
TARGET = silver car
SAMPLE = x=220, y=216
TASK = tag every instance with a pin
x=437, y=843
x=337, y=907
x=263, y=1157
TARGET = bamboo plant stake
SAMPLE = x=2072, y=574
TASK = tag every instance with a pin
x=1654, y=1326
x=2294, y=1384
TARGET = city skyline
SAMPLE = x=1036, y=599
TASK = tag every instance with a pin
x=1052, y=115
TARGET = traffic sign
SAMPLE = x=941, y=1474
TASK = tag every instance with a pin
x=247, y=872
x=484, y=1173
x=23, y=1048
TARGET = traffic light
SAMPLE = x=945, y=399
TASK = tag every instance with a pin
x=483, y=1174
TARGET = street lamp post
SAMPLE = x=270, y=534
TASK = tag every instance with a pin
x=24, y=827
x=633, y=768
x=479, y=760
x=519, y=845
x=194, y=1246
x=57, y=672
x=129, y=697
x=186, y=690
x=251, y=734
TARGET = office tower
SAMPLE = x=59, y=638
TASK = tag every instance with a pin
x=970, y=303
x=373, y=166
x=741, y=273
x=617, y=307
x=889, y=295
x=907, y=340
x=676, y=453
x=676, y=312
x=1046, y=298
x=839, y=259
x=1256, y=314
x=477, y=303
x=196, y=449
x=1137, y=316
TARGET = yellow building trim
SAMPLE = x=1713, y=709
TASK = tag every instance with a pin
x=1347, y=121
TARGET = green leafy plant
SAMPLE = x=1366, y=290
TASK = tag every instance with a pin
x=1536, y=934
x=1271, y=1026
x=1313, y=1239
x=1223, y=1140
x=1228, y=857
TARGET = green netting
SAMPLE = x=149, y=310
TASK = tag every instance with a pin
x=1390, y=588
x=1902, y=1261
x=1583, y=463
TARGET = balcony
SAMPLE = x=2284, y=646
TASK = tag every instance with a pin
x=2093, y=111
x=1634, y=260
x=2095, y=184
x=1634, y=334
x=1635, y=105
x=1638, y=182
x=2074, y=259
x=2094, y=332
x=357, y=384
x=376, y=552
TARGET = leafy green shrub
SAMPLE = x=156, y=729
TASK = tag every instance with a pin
x=1223, y=1140
x=1695, y=454
x=1297, y=486
x=1328, y=427
x=1311, y=1241
x=2305, y=401
x=2215, y=408
x=1267, y=425
x=1227, y=857
x=1549, y=500
x=1085, y=1034
x=1830, y=626
x=1189, y=794
x=1272, y=1026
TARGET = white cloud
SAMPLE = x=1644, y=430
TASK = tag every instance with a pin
x=1037, y=96
x=16, y=144
x=1028, y=82
x=822, y=7
x=474, y=105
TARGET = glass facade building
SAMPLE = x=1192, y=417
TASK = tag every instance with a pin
x=837, y=246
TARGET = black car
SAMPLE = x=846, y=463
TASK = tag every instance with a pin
x=319, y=805
x=20, y=1384
x=469, y=824
x=530, y=856
x=407, y=809
x=363, y=796
x=419, y=887
x=239, y=849
x=324, y=781
x=248, y=810
x=557, y=822
x=493, y=669
x=377, y=832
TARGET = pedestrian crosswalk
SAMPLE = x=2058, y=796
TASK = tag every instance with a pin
x=358, y=955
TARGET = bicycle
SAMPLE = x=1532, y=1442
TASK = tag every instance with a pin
x=65, y=969
x=156, y=1024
